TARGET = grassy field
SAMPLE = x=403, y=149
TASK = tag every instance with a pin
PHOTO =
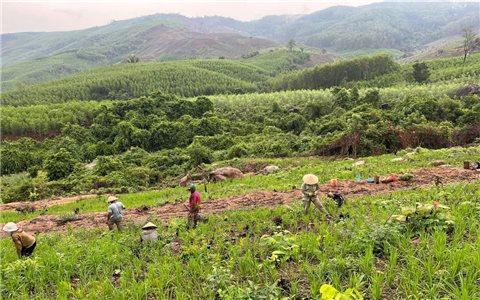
x=275, y=253
x=291, y=172
x=264, y=254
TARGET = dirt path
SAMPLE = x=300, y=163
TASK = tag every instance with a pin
x=422, y=178
x=44, y=203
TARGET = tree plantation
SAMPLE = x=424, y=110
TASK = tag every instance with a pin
x=95, y=165
x=166, y=136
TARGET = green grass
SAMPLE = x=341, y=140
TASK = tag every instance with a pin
x=291, y=172
x=228, y=256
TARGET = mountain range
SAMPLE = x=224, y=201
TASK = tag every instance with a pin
x=406, y=27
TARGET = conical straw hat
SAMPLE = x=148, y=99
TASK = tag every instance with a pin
x=149, y=225
x=310, y=179
x=10, y=227
x=111, y=199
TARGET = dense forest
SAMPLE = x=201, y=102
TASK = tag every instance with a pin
x=138, y=142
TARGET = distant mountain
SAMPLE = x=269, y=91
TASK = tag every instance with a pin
x=35, y=57
x=401, y=27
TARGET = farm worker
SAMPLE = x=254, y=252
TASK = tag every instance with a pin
x=193, y=206
x=310, y=189
x=338, y=198
x=114, y=216
x=149, y=233
x=24, y=242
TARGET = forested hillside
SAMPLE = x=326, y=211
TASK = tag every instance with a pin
x=401, y=28
x=404, y=26
x=134, y=80
x=160, y=135
x=159, y=37
x=183, y=78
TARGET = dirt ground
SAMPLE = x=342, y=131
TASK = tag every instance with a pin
x=44, y=203
x=422, y=178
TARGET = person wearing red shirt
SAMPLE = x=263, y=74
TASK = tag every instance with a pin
x=193, y=207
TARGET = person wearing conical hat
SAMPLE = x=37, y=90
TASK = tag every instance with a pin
x=310, y=190
x=24, y=242
x=149, y=233
x=114, y=213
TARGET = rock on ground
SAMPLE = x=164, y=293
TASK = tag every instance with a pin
x=270, y=169
x=224, y=173
x=359, y=163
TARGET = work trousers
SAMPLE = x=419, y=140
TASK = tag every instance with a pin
x=316, y=201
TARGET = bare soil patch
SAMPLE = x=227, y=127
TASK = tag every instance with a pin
x=40, y=204
x=422, y=178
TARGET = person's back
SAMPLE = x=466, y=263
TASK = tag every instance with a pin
x=116, y=210
x=24, y=242
x=114, y=215
x=150, y=235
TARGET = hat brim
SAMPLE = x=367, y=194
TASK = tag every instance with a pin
x=10, y=228
x=149, y=227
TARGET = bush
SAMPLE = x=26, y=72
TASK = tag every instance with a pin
x=60, y=164
x=239, y=150
x=199, y=154
x=20, y=191
x=107, y=164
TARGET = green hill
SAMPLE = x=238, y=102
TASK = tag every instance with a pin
x=183, y=78
x=402, y=28
x=29, y=58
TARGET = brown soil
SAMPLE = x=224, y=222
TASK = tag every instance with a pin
x=422, y=178
x=32, y=206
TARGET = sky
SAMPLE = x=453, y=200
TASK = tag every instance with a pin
x=64, y=15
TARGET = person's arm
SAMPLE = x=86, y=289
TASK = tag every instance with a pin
x=191, y=202
x=18, y=245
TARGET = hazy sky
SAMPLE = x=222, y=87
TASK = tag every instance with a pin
x=58, y=15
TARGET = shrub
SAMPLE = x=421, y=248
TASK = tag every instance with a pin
x=60, y=164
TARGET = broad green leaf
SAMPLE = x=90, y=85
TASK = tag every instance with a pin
x=328, y=292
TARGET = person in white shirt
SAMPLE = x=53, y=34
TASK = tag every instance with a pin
x=149, y=233
x=114, y=215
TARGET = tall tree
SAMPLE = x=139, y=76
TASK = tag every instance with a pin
x=470, y=42
x=420, y=72
x=131, y=59
x=291, y=44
